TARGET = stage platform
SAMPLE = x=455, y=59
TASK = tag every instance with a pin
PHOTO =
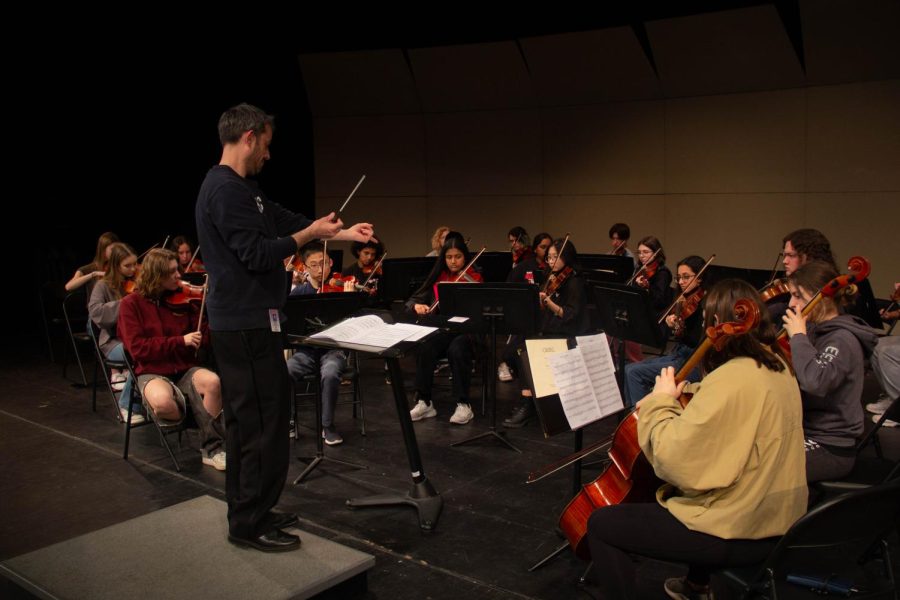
x=182, y=552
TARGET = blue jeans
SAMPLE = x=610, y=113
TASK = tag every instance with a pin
x=641, y=377
x=330, y=364
x=118, y=353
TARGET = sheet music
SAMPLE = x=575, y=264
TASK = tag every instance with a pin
x=541, y=375
x=575, y=388
x=370, y=330
x=601, y=369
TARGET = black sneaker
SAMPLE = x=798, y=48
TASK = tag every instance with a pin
x=521, y=417
x=332, y=437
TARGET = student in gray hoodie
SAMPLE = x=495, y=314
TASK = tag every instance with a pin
x=828, y=349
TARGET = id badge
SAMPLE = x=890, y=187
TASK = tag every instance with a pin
x=274, y=320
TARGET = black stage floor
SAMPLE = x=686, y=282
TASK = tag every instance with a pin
x=62, y=475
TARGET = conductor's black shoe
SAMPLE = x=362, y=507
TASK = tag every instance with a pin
x=271, y=541
x=519, y=418
x=280, y=520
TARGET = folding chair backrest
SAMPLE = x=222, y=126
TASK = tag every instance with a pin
x=852, y=521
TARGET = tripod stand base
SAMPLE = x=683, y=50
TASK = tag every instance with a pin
x=422, y=496
x=319, y=458
x=548, y=558
x=492, y=432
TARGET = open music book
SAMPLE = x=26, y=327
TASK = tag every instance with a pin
x=371, y=330
x=583, y=379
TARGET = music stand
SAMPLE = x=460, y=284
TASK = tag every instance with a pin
x=492, y=308
x=608, y=267
x=494, y=266
x=306, y=315
x=626, y=313
x=422, y=495
x=403, y=276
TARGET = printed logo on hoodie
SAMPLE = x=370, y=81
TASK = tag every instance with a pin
x=827, y=355
x=259, y=203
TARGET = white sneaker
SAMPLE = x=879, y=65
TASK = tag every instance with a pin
x=422, y=410
x=503, y=372
x=878, y=407
x=216, y=461
x=117, y=382
x=462, y=415
x=887, y=422
x=136, y=417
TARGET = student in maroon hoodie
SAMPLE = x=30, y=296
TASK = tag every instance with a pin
x=163, y=341
x=827, y=348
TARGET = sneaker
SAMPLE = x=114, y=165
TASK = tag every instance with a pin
x=503, y=372
x=887, y=422
x=462, y=415
x=216, y=461
x=679, y=589
x=422, y=410
x=879, y=406
x=521, y=416
x=331, y=436
x=136, y=417
x=117, y=382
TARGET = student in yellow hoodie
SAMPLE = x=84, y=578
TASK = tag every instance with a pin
x=733, y=460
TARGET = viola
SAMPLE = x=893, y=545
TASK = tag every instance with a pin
x=647, y=270
x=195, y=266
x=773, y=290
x=630, y=477
x=859, y=268
x=128, y=286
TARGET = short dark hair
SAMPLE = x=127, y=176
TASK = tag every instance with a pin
x=622, y=230
x=520, y=234
x=357, y=247
x=311, y=248
x=812, y=244
x=239, y=119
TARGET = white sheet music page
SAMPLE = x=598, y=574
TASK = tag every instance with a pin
x=575, y=389
x=602, y=371
x=370, y=330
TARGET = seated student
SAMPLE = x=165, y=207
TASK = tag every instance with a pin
x=95, y=269
x=655, y=277
x=519, y=244
x=686, y=326
x=563, y=315
x=732, y=460
x=367, y=256
x=103, y=308
x=185, y=249
x=827, y=351
x=457, y=348
x=163, y=342
x=308, y=359
x=437, y=240
x=619, y=234
x=529, y=270
x=886, y=366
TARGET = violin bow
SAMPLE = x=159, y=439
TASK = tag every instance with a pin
x=337, y=216
x=681, y=295
x=193, y=258
x=774, y=270
x=558, y=255
x=374, y=269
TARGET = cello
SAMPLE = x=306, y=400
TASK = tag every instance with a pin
x=630, y=477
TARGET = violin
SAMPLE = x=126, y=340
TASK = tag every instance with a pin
x=630, y=477
x=859, y=268
x=464, y=276
x=686, y=307
x=556, y=281
x=647, y=270
x=185, y=294
x=338, y=283
x=773, y=290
